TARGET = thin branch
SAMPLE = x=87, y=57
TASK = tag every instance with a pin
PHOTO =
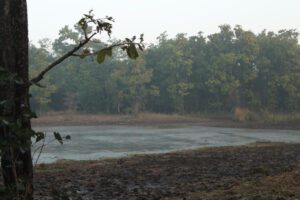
x=96, y=41
x=40, y=76
x=40, y=149
x=107, y=47
x=85, y=35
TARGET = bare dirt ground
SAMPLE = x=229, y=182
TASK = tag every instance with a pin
x=258, y=171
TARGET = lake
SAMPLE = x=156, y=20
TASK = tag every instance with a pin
x=94, y=142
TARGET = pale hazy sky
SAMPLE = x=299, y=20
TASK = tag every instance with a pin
x=153, y=17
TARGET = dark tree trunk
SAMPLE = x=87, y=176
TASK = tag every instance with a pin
x=16, y=161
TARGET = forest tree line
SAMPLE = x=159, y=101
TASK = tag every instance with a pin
x=215, y=73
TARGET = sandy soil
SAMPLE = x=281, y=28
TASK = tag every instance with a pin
x=259, y=171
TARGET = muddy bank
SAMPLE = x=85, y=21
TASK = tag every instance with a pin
x=172, y=175
x=64, y=119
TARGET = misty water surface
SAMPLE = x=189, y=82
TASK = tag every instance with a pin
x=94, y=142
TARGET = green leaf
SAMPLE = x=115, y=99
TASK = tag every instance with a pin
x=102, y=53
x=101, y=56
x=4, y=121
x=39, y=136
x=132, y=52
x=109, y=51
x=81, y=21
x=58, y=137
x=2, y=103
x=141, y=47
x=68, y=137
x=19, y=81
x=141, y=38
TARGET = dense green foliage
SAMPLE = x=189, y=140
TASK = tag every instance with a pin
x=229, y=69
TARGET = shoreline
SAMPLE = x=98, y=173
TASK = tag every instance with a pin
x=160, y=120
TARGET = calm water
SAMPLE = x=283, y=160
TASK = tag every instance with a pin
x=93, y=142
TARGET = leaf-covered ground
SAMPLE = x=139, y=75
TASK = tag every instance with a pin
x=260, y=171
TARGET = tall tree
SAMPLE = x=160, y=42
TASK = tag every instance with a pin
x=172, y=68
x=15, y=128
x=132, y=80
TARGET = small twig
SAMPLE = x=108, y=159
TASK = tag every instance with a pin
x=40, y=152
x=40, y=148
x=85, y=35
x=111, y=46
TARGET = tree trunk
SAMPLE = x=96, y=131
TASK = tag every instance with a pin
x=16, y=161
x=136, y=104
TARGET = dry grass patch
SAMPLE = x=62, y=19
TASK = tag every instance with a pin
x=60, y=118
